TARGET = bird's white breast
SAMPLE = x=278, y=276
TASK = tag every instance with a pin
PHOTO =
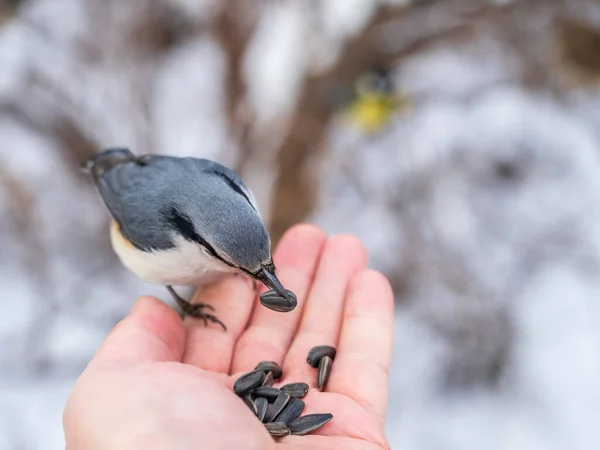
x=186, y=264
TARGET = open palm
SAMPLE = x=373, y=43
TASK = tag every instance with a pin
x=158, y=383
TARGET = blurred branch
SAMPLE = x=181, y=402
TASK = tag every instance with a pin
x=161, y=27
x=21, y=204
x=8, y=9
x=77, y=145
x=295, y=190
x=233, y=28
x=578, y=50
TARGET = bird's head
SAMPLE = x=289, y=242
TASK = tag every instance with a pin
x=224, y=220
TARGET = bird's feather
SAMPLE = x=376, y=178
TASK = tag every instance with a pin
x=155, y=199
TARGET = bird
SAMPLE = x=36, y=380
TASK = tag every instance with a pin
x=185, y=221
x=375, y=99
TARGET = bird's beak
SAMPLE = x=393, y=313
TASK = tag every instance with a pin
x=266, y=276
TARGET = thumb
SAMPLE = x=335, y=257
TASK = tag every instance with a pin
x=153, y=331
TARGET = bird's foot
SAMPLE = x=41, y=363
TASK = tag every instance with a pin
x=195, y=309
x=198, y=313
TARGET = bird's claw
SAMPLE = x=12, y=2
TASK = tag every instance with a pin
x=195, y=309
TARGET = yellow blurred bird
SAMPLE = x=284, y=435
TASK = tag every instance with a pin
x=375, y=101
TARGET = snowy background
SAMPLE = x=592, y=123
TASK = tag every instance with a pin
x=480, y=201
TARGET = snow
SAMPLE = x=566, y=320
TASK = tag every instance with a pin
x=522, y=251
x=275, y=75
x=31, y=413
x=481, y=203
x=190, y=118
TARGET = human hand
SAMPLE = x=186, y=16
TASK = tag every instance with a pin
x=160, y=383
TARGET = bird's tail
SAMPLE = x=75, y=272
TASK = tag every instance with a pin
x=106, y=159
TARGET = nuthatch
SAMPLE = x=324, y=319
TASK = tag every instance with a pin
x=185, y=221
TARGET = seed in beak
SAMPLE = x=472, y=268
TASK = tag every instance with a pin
x=275, y=302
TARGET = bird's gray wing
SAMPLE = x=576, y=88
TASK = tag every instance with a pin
x=144, y=196
x=136, y=194
x=226, y=174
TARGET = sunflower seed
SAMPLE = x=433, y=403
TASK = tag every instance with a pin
x=274, y=301
x=248, y=381
x=277, y=406
x=268, y=392
x=324, y=371
x=292, y=411
x=295, y=389
x=270, y=366
x=310, y=422
x=251, y=404
x=269, y=380
x=261, y=407
x=272, y=293
x=277, y=429
x=316, y=353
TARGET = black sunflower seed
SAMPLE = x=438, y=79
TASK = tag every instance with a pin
x=292, y=411
x=277, y=429
x=295, y=389
x=324, y=371
x=274, y=301
x=270, y=366
x=268, y=392
x=308, y=423
x=247, y=382
x=269, y=380
x=251, y=404
x=277, y=406
x=316, y=353
x=261, y=407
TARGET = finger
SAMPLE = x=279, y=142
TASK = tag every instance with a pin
x=270, y=333
x=151, y=332
x=361, y=367
x=349, y=421
x=343, y=256
x=210, y=347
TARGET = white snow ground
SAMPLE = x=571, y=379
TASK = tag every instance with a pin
x=497, y=340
